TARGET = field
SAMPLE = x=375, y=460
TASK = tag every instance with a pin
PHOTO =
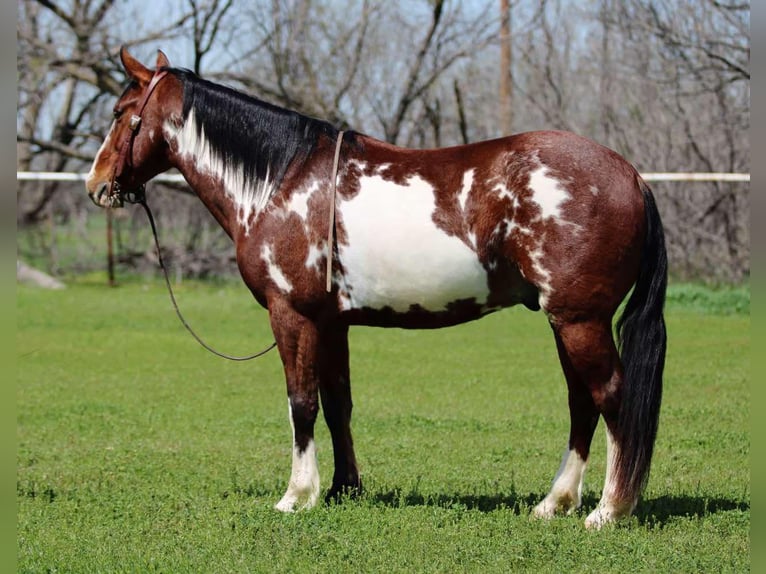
x=138, y=451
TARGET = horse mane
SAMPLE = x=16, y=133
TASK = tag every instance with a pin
x=259, y=138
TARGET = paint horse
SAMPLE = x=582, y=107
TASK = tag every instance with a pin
x=421, y=239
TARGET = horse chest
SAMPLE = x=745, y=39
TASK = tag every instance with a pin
x=394, y=255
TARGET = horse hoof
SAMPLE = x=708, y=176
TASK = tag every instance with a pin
x=548, y=507
x=293, y=501
x=544, y=510
x=608, y=513
x=338, y=494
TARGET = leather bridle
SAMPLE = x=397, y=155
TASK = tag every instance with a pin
x=116, y=195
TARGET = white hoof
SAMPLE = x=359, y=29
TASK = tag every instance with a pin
x=551, y=505
x=598, y=518
x=295, y=499
x=607, y=514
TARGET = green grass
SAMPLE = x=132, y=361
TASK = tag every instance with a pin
x=139, y=452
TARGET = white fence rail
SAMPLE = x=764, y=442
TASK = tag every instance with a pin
x=178, y=178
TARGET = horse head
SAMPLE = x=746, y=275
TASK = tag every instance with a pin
x=135, y=149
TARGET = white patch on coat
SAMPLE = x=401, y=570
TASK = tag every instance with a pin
x=315, y=254
x=566, y=491
x=543, y=279
x=299, y=200
x=512, y=226
x=395, y=254
x=104, y=145
x=547, y=192
x=465, y=190
x=593, y=189
x=503, y=192
x=248, y=195
x=303, y=488
x=610, y=508
x=275, y=273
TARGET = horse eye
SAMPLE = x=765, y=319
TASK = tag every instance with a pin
x=117, y=114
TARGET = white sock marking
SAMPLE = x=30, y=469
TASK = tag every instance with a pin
x=303, y=488
x=566, y=492
x=609, y=508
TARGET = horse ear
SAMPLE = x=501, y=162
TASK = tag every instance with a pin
x=162, y=60
x=133, y=68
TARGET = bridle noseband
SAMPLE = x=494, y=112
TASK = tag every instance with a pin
x=117, y=196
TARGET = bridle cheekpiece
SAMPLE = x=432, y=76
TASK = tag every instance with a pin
x=117, y=196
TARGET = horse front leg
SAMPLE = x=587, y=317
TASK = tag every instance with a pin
x=298, y=342
x=335, y=392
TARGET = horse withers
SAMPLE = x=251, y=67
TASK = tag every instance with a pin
x=420, y=239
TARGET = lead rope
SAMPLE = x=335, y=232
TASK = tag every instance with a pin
x=333, y=193
x=142, y=202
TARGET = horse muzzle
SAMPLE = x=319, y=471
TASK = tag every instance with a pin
x=116, y=196
x=104, y=196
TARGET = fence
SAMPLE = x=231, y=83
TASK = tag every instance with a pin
x=706, y=217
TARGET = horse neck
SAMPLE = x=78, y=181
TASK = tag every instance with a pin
x=227, y=149
x=230, y=193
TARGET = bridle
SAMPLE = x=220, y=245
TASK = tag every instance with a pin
x=118, y=197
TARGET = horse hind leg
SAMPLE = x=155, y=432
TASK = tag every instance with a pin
x=566, y=491
x=590, y=359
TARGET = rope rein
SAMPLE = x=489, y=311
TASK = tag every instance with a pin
x=142, y=203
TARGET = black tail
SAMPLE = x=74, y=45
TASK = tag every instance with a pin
x=642, y=340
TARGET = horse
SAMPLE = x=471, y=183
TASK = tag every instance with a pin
x=416, y=239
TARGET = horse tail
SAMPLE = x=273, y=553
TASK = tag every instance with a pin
x=642, y=343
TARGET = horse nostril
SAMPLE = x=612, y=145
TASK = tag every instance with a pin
x=98, y=195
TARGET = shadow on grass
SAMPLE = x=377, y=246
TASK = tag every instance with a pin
x=653, y=511
x=517, y=503
x=658, y=511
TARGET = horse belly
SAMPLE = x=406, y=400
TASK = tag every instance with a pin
x=395, y=257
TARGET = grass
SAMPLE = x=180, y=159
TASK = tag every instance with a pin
x=140, y=452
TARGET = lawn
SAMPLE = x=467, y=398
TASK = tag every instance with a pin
x=139, y=452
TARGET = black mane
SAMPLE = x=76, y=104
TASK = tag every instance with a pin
x=244, y=131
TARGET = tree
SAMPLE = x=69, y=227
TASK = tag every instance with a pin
x=664, y=82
